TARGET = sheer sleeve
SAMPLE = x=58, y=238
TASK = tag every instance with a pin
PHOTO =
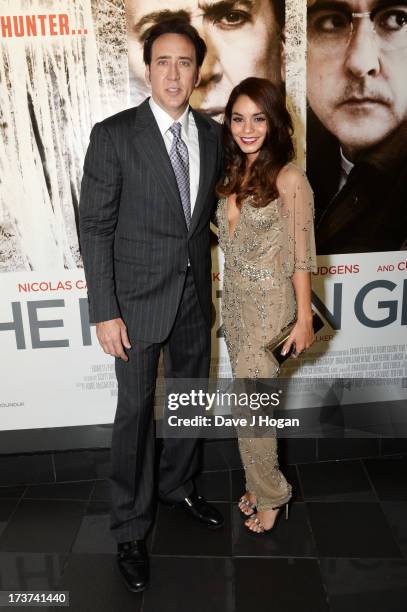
x=298, y=209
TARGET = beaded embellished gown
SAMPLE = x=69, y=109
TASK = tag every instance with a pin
x=267, y=246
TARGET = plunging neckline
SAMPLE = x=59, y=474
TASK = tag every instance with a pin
x=231, y=235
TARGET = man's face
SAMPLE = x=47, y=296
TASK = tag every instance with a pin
x=241, y=36
x=173, y=72
x=357, y=84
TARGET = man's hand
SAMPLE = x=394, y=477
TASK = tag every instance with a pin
x=113, y=338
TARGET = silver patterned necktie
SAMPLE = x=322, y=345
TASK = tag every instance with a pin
x=180, y=163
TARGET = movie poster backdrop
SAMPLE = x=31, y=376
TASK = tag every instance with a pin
x=66, y=64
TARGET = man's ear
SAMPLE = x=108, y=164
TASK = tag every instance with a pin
x=147, y=74
x=198, y=78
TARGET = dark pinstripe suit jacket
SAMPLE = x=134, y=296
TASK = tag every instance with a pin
x=134, y=239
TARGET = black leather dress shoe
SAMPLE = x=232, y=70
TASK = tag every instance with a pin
x=198, y=508
x=132, y=560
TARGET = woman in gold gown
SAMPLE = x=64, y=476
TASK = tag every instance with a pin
x=265, y=218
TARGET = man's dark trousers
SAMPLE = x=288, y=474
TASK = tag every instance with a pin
x=186, y=355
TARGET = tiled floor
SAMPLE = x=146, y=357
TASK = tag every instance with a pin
x=343, y=549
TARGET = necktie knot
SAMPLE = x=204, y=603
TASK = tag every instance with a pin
x=175, y=129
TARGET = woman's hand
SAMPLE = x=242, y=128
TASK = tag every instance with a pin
x=302, y=337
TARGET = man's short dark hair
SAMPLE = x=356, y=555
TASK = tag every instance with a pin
x=174, y=26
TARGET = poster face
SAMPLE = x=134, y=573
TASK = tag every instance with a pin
x=66, y=65
x=357, y=124
x=243, y=39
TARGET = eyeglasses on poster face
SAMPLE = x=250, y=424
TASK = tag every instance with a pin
x=331, y=26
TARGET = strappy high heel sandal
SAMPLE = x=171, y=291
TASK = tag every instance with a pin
x=253, y=517
x=249, y=505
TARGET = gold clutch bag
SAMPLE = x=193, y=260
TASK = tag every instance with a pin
x=274, y=347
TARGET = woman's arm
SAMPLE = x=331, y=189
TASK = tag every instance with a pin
x=303, y=334
x=299, y=210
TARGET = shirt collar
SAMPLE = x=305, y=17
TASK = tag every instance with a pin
x=389, y=156
x=345, y=164
x=165, y=121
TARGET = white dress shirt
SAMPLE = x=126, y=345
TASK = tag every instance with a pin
x=189, y=134
x=346, y=167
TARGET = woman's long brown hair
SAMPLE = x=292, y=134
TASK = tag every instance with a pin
x=277, y=149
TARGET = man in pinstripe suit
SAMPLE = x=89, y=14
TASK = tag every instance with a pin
x=146, y=200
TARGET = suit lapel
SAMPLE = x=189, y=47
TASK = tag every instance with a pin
x=150, y=144
x=352, y=202
x=207, y=159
